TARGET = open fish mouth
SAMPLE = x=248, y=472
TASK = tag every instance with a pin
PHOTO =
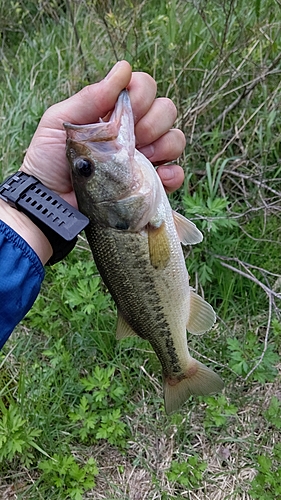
x=108, y=130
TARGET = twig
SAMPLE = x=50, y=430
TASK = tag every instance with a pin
x=270, y=293
x=252, y=278
x=6, y=357
x=34, y=484
x=110, y=37
x=82, y=248
x=267, y=290
x=78, y=40
x=247, y=90
x=218, y=155
x=155, y=384
x=211, y=76
x=260, y=184
x=257, y=209
x=200, y=355
x=247, y=265
x=265, y=339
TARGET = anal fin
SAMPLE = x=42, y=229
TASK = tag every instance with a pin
x=202, y=316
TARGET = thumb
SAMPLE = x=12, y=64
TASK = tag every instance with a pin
x=93, y=101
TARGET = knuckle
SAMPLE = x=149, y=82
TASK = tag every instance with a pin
x=146, y=131
x=86, y=92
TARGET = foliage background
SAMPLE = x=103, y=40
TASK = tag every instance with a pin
x=80, y=415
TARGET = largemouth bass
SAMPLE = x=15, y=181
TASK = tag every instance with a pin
x=135, y=238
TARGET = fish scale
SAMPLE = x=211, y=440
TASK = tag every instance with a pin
x=135, y=238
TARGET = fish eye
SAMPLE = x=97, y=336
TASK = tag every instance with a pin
x=84, y=167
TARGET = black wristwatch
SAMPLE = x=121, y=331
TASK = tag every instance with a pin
x=57, y=219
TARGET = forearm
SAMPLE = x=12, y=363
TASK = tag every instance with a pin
x=21, y=272
x=20, y=223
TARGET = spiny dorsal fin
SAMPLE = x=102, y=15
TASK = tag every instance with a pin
x=159, y=246
x=187, y=231
x=123, y=330
x=202, y=315
x=199, y=380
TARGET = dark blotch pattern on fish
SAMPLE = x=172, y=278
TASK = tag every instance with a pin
x=137, y=289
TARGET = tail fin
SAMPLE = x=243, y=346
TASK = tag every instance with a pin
x=199, y=381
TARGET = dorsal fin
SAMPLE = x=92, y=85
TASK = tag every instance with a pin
x=187, y=231
x=202, y=315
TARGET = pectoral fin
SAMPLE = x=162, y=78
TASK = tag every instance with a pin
x=123, y=330
x=159, y=246
x=201, y=316
x=198, y=380
x=187, y=231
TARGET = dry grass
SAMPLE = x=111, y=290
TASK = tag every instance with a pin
x=141, y=474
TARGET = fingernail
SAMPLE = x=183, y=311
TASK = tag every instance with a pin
x=147, y=151
x=113, y=70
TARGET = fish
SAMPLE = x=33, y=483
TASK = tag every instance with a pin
x=136, y=241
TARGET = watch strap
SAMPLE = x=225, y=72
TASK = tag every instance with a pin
x=57, y=219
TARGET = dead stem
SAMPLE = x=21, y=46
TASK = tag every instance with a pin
x=265, y=339
x=252, y=278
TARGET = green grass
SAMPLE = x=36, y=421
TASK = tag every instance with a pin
x=81, y=415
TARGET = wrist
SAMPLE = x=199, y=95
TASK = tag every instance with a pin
x=20, y=223
x=50, y=215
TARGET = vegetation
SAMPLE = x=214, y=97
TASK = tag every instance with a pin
x=81, y=416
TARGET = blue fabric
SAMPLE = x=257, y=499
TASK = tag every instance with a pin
x=21, y=275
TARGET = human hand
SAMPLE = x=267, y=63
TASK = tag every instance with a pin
x=46, y=159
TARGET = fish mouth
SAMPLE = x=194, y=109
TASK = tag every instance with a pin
x=93, y=132
x=120, y=124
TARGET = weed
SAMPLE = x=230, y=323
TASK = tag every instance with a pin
x=17, y=437
x=212, y=218
x=99, y=411
x=218, y=411
x=76, y=299
x=244, y=356
x=58, y=355
x=66, y=477
x=276, y=330
x=212, y=213
x=189, y=473
x=273, y=413
x=267, y=483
